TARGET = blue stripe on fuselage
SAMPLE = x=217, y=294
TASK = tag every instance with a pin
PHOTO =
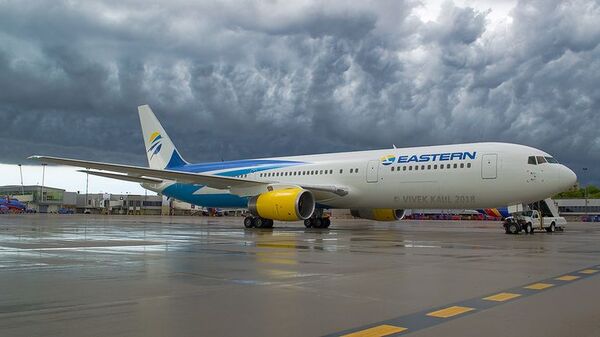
x=185, y=192
x=224, y=165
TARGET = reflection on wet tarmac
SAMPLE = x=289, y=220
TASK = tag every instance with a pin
x=203, y=276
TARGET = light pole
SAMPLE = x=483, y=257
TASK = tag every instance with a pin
x=22, y=187
x=43, y=177
x=585, y=193
x=87, y=178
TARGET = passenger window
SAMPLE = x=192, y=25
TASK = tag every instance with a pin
x=392, y=169
x=462, y=165
x=455, y=165
x=448, y=166
x=531, y=160
x=429, y=167
x=410, y=168
x=330, y=171
x=441, y=166
x=351, y=170
x=341, y=171
x=468, y=165
x=540, y=160
x=403, y=168
x=355, y=170
x=416, y=167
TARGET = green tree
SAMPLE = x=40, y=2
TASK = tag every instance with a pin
x=593, y=192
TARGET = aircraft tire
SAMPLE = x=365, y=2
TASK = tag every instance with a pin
x=317, y=223
x=308, y=223
x=259, y=222
x=248, y=222
x=326, y=222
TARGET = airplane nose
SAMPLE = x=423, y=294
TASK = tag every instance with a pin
x=567, y=177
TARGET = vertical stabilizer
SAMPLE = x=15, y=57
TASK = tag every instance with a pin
x=160, y=150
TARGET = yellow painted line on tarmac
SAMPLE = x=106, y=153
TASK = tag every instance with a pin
x=567, y=278
x=377, y=331
x=449, y=312
x=422, y=319
x=501, y=297
x=539, y=286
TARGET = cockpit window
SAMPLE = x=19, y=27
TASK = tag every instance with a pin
x=531, y=160
x=540, y=159
x=551, y=160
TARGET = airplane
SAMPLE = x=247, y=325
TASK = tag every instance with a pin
x=375, y=185
x=12, y=205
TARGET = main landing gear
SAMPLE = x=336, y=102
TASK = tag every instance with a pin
x=317, y=220
x=257, y=222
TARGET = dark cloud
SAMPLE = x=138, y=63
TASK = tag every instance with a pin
x=253, y=79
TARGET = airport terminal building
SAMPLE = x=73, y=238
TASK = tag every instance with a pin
x=44, y=199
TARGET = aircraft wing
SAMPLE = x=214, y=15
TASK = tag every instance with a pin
x=214, y=181
x=148, y=175
x=123, y=177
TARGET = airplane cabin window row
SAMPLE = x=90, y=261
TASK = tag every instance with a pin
x=298, y=173
x=429, y=167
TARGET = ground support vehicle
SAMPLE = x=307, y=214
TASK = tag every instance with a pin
x=529, y=221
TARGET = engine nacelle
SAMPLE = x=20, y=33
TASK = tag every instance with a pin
x=288, y=204
x=378, y=214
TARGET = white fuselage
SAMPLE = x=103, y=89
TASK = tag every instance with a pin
x=485, y=175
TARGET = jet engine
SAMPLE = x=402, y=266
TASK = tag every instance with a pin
x=378, y=214
x=288, y=204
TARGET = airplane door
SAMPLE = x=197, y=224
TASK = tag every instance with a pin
x=489, y=166
x=373, y=171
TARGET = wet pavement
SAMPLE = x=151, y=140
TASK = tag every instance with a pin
x=72, y=275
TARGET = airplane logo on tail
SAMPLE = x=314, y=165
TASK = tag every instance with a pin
x=155, y=143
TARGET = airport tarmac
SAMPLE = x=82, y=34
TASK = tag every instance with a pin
x=83, y=275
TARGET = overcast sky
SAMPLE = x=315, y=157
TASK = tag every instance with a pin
x=244, y=79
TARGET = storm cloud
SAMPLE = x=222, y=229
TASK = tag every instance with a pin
x=233, y=80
